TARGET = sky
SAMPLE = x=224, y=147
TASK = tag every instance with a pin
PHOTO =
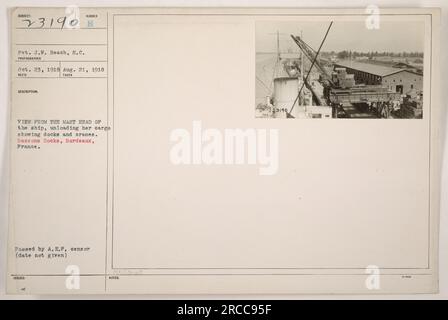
x=344, y=35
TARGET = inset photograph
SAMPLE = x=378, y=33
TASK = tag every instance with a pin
x=340, y=69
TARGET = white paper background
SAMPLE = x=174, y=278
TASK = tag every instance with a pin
x=4, y=115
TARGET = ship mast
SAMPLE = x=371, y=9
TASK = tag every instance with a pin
x=278, y=46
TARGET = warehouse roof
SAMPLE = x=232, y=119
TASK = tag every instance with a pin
x=377, y=70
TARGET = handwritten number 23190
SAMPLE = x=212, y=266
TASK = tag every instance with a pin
x=61, y=22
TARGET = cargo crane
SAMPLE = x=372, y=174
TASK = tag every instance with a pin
x=342, y=94
x=311, y=54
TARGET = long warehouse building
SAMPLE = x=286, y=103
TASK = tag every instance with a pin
x=395, y=79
